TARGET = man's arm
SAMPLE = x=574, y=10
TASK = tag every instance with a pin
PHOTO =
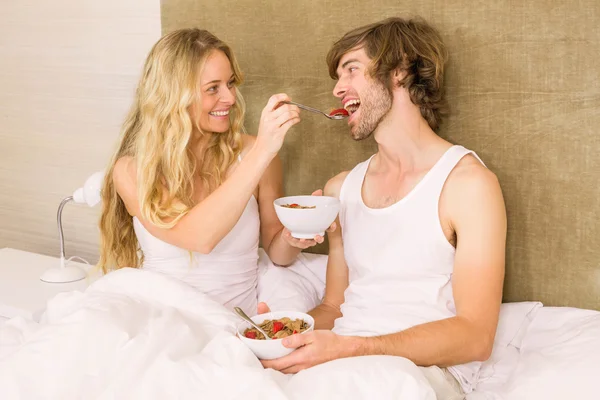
x=478, y=216
x=336, y=280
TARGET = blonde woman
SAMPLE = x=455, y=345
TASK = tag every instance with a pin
x=188, y=194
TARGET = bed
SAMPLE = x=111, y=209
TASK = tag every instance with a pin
x=522, y=84
x=174, y=342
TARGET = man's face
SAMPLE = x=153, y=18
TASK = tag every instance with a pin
x=366, y=99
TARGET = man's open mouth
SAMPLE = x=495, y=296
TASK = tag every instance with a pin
x=352, y=105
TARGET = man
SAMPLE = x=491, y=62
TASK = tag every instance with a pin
x=417, y=267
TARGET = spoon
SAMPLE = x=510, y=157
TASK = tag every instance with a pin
x=243, y=315
x=307, y=108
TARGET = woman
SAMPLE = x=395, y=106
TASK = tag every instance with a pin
x=188, y=194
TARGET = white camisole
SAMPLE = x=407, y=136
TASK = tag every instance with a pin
x=228, y=274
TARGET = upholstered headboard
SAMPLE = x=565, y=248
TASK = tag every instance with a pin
x=522, y=82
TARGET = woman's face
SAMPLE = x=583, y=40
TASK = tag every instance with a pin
x=217, y=94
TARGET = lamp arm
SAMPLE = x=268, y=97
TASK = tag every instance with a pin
x=60, y=231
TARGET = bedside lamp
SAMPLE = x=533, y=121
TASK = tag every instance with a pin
x=88, y=194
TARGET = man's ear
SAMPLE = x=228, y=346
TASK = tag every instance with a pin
x=398, y=76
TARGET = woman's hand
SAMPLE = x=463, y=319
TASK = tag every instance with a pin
x=276, y=119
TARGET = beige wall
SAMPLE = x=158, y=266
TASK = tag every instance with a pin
x=523, y=88
x=67, y=75
x=522, y=82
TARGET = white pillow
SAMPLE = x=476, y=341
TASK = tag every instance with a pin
x=560, y=357
x=487, y=377
x=299, y=287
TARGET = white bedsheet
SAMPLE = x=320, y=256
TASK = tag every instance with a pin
x=174, y=342
x=299, y=287
x=139, y=335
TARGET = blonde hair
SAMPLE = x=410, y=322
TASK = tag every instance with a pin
x=156, y=133
x=412, y=46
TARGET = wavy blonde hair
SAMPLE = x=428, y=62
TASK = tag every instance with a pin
x=156, y=134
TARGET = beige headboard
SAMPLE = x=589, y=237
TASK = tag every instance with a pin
x=523, y=85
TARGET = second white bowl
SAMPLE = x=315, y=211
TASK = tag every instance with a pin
x=306, y=223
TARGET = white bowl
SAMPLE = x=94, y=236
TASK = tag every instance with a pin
x=271, y=349
x=306, y=223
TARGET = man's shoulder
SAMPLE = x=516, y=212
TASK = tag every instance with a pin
x=333, y=186
x=470, y=174
x=472, y=191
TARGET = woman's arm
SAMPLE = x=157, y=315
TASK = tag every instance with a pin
x=205, y=225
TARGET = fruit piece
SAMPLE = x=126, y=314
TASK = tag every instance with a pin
x=339, y=111
x=250, y=335
x=294, y=205
x=277, y=326
x=295, y=331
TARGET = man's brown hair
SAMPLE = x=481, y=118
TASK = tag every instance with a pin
x=411, y=46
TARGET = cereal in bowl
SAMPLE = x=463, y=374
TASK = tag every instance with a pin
x=277, y=328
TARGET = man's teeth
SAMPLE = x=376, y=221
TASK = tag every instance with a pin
x=220, y=113
x=352, y=105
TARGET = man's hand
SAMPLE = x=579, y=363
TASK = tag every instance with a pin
x=262, y=308
x=312, y=348
x=306, y=243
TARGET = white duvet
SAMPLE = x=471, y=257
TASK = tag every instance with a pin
x=138, y=335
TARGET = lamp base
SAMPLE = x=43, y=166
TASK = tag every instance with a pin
x=63, y=274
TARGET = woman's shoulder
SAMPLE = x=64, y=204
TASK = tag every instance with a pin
x=124, y=168
x=124, y=174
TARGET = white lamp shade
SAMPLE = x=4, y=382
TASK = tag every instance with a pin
x=90, y=192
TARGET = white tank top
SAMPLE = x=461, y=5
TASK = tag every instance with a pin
x=228, y=274
x=400, y=262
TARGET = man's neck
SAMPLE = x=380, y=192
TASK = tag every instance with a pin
x=405, y=140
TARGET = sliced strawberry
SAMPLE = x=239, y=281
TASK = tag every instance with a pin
x=339, y=111
x=294, y=205
x=277, y=326
x=295, y=331
x=250, y=335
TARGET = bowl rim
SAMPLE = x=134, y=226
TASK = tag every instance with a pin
x=240, y=334
x=332, y=202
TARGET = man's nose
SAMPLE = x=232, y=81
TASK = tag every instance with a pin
x=339, y=89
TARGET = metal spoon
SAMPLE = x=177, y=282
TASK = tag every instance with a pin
x=242, y=314
x=307, y=108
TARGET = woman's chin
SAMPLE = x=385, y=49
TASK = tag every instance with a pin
x=220, y=131
x=217, y=128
